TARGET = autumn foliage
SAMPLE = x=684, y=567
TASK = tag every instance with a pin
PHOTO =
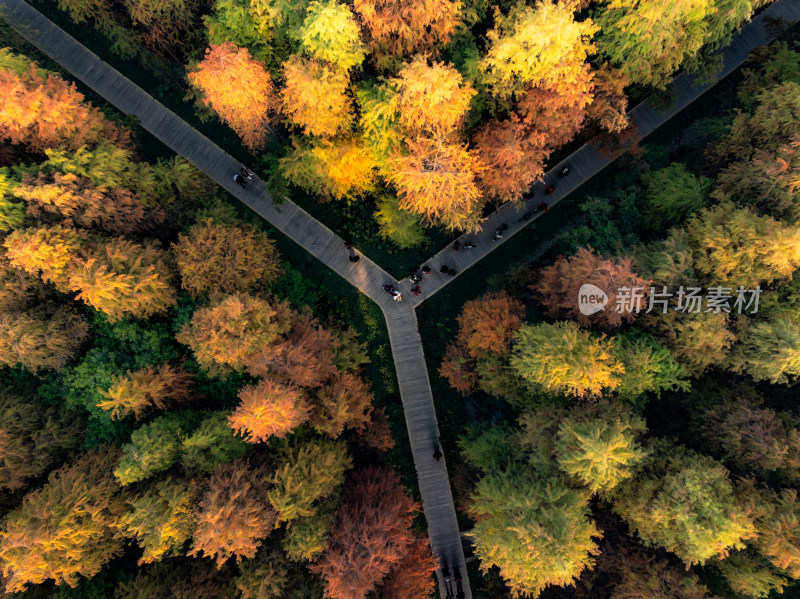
x=370, y=535
x=268, y=409
x=146, y=389
x=239, y=89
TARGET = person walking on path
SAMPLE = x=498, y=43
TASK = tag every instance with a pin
x=353, y=256
x=248, y=176
x=456, y=245
x=416, y=290
x=426, y=270
x=437, y=453
x=563, y=172
x=468, y=245
x=239, y=180
x=549, y=189
x=542, y=206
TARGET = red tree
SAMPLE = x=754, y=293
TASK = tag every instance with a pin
x=371, y=534
x=411, y=578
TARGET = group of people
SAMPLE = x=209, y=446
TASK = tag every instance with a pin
x=396, y=295
x=448, y=587
x=468, y=245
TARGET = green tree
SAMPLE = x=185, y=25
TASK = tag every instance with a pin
x=537, y=531
x=599, y=447
x=563, y=358
x=154, y=447
x=769, y=351
x=306, y=474
x=307, y=537
x=750, y=575
x=684, y=502
x=161, y=519
x=672, y=194
x=401, y=227
x=649, y=367
x=212, y=443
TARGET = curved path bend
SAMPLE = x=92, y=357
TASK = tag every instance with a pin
x=368, y=277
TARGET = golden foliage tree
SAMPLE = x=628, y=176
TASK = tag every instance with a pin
x=404, y=27
x=432, y=99
x=331, y=33
x=216, y=258
x=239, y=89
x=43, y=111
x=536, y=46
x=47, y=253
x=231, y=331
x=123, y=278
x=437, y=180
x=67, y=529
x=234, y=514
x=268, y=409
x=149, y=388
x=17, y=288
x=315, y=96
x=39, y=339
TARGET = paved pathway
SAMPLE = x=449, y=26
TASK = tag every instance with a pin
x=321, y=242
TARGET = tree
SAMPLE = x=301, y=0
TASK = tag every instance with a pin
x=778, y=527
x=212, y=443
x=268, y=409
x=400, y=28
x=684, y=502
x=343, y=402
x=559, y=287
x=178, y=579
x=401, y=227
x=331, y=33
x=40, y=340
x=609, y=107
x=650, y=41
x=371, y=533
x=751, y=439
x=769, y=351
x=148, y=388
x=47, y=252
x=672, y=194
x=649, y=367
x=750, y=575
x=161, y=519
x=556, y=110
x=644, y=577
x=432, y=99
x=437, y=180
x=304, y=357
x=536, y=46
x=488, y=324
x=737, y=247
x=122, y=278
x=341, y=168
x=17, y=288
x=379, y=121
x=66, y=529
x=32, y=438
x=536, y=531
x=305, y=475
x=215, y=258
x=115, y=210
x=263, y=577
x=513, y=155
x=315, y=97
x=566, y=359
x=598, y=447
x=41, y=111
x=154, y=447
x=413, y=577
x=231, y=330
x=308, y=537
x=239, y=89
x=233, y=515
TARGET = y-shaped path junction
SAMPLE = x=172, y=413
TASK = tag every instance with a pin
x=368, y=277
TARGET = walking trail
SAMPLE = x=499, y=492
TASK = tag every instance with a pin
x=368, y=277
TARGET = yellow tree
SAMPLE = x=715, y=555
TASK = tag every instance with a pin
x=338, y=168
x=432, y=99
x=148, y=388
x=39, y=340
x=268, y=409
x=48, y=253
x=331, y=33
x=315, y=96
x=535, y=46
x=437, y=180
x=122, y=278
x=239, y=89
